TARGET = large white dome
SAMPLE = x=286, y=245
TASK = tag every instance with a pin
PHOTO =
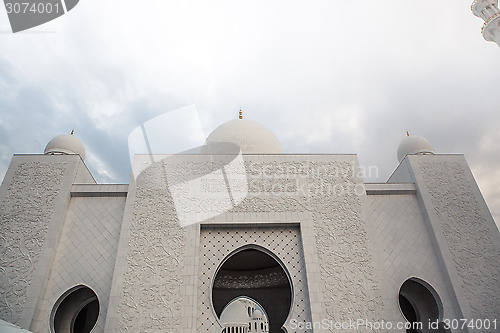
x=414, y=145
x=251, y=136
x=65, y=144
x=235, y=313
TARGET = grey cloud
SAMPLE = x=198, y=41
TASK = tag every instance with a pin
x=326, y=77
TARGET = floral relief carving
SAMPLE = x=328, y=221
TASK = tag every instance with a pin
x=25, y=215
x=152, y=288
x=151, y=296
x=466, y=234
x=330, y=192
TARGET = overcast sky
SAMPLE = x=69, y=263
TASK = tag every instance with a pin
x=326, y=76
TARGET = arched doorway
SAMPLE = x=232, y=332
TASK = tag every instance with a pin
x=76, y=311
x=421, y=305
x=254, y=272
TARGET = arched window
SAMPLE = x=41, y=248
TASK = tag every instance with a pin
x=420, y=305
x=76, y=311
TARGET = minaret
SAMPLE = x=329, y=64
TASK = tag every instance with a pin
x=489, y=12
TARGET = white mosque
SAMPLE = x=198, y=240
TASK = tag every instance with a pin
x=244, y=315
x=242, y=237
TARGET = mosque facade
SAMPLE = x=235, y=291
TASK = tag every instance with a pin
x=242, y=237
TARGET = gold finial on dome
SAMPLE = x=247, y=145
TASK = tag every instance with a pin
x=407, y=134
x=241, y=114
x=72, y=131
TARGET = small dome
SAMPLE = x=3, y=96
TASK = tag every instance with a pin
x=258, y=314
x=235, y=313
x=414, y=145
x=251, y=136
x=65, y=144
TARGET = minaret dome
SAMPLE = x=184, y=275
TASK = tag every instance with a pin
x=414, y=145
x=65, y=144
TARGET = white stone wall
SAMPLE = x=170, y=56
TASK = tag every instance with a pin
x=463, y=229
x=403, y=249
x=149, y=291
x=33, y=201
x=155, y=285
x=86, y=254
x=340, y=269
x=83, y=175
x=354, y=251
